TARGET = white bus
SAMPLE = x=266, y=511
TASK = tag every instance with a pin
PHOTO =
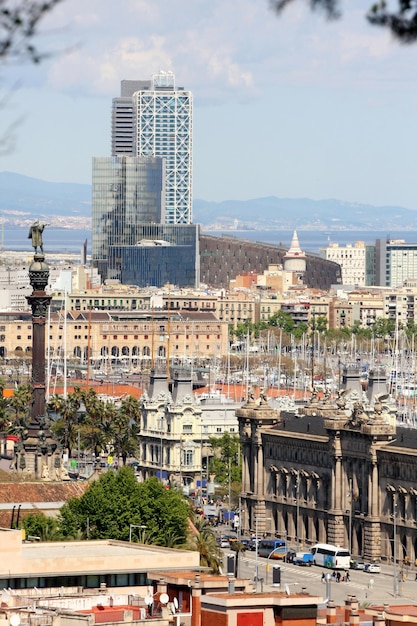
x=333, y=557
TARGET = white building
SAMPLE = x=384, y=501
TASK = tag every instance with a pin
x=352, y=260
x=176, y=427
x=162, y=127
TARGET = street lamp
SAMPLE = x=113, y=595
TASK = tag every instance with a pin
x=394, y=515
x=161, y=449
x=262, y=519
x=131, y=526
x=350, y=515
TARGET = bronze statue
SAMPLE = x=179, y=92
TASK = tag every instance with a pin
x=35, y=233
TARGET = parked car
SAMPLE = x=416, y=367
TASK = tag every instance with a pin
x=252, y=544
x=372, y=568
x=357, y=565
x=290, y=556
x=303, y=558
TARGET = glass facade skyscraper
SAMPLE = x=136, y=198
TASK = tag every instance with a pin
x=164, y=253
x=162, y=126
x=126, y=192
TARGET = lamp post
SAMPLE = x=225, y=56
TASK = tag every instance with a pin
x=394, y=512
x=263, y=519
x=161, y=450
x=131, y=526
x=297, y=495
x=350, y=515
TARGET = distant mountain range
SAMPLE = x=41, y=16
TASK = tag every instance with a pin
x=23, y=199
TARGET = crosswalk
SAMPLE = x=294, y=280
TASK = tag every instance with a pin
x=304, y=573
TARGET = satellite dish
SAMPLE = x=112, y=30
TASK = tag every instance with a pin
x=148, y=602
x=175, y=604
x=15, y=620
x=164, y=598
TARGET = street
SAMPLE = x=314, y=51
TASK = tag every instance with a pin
x=368, y=588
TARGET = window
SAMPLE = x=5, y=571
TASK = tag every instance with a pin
x=187, y=428
x=187, y=457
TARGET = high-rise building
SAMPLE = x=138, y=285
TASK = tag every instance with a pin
x=159, y=116
x=396, y=262
x=122, y=117
x=127, y=191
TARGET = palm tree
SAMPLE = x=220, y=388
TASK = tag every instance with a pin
x=20, y=405
x=125, y=428
x=65, y=427
x=95, y=430
x=203, y=540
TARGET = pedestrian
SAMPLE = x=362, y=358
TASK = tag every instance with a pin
x=347, y=577
x=415, y=577
x=323, y=577
x=338, y=577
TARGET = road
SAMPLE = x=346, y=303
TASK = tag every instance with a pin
x=368, y=588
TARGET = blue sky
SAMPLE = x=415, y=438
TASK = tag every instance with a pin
x=293, y=106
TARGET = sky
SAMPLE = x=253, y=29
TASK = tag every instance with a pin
x=292, y=106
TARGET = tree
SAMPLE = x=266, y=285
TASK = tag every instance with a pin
x=116, y=501
x=19, y=22
x=383, y=327
x=125, y=428
x=402, y=21
x=19, y=404
x=283, y=320
x=65, y=426
x=226, y=457
x=38, y=525
x=203, y=540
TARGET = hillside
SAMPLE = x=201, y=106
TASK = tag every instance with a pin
x=23, y=199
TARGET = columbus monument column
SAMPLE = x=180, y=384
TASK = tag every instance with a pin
x=37, y=454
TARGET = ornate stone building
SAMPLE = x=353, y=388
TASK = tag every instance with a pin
x=336, y=471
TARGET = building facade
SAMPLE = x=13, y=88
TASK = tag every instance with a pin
x=126, y=192
x=115, y=337
x=224, y=258
x=396, y=262
x=163, y=254
x=162, y=127
x=122, y=117
x=333, y=472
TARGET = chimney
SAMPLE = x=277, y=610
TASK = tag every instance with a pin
x=182, y=385
x=379, y=619
x=158, y=382
x=331, y=612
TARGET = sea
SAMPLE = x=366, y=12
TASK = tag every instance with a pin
x=70, y=240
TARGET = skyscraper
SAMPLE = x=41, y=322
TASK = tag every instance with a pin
x=127, y=191
x=160, y=120
x=122, y=117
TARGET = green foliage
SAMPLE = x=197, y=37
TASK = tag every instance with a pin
x=226, y=455
x=19, y=409
x=319, y=323
x=204, y=542
x=282, y=320
x=38, y=525
x=383, y=327
x=102, y=425
x=116, y=501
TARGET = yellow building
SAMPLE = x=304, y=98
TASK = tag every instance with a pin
x=128, y=336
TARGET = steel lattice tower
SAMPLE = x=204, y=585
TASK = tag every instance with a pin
x=162, y=127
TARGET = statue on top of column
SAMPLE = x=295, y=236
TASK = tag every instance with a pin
x=35, y=233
